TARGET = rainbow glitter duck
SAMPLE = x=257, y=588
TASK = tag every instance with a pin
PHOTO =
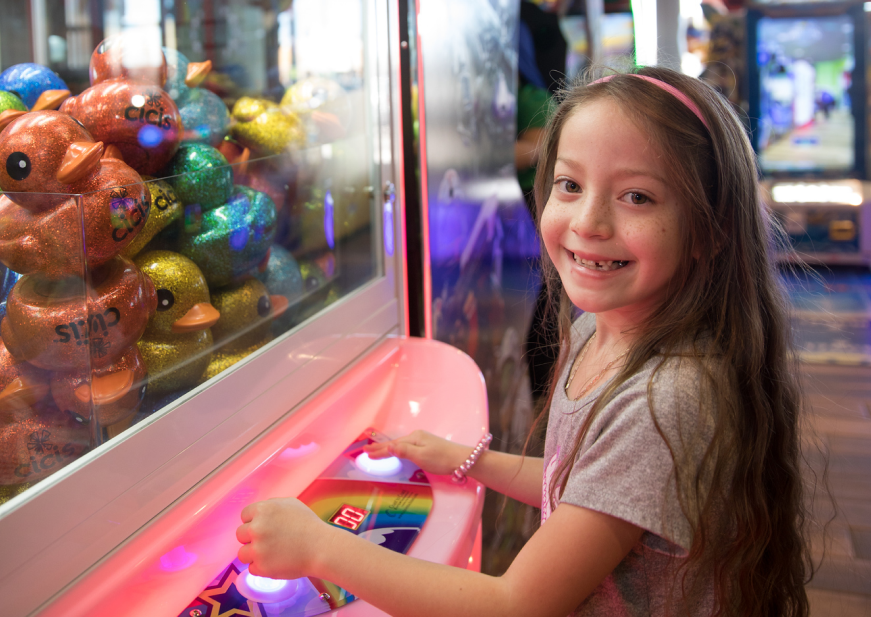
x=177, y=344
x=46, y=158
x=233, y=240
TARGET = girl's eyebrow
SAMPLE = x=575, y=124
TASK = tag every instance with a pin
x=639, y=172
x=620, y=172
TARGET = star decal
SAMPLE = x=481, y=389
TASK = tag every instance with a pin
x=226, y=601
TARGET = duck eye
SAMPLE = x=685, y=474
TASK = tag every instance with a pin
x=77, y=417
x=165, y=299
x=18, y=166
x=264, y=306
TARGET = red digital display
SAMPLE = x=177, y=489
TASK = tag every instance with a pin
x=349, y=517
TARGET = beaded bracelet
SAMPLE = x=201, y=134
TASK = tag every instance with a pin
x=459, y=475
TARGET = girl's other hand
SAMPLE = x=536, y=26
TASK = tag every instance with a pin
x=281, y=538
x=430, y=453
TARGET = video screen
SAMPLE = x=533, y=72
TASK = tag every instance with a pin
x=806, y=67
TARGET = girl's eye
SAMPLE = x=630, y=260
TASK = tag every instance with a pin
x=569, y=186
x=638, y=198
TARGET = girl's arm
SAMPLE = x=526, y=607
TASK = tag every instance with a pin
x=512, y=475
x=560, y=565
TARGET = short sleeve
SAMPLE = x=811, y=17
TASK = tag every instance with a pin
x=626, y=468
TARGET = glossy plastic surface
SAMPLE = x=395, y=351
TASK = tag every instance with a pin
x=399, y=386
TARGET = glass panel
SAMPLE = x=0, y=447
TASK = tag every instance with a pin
x=224, y=156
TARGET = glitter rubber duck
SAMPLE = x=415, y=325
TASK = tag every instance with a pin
x=203, y=113
x=177, y=344
x=114, y=391
x=35, y=438
x=282, y=277
x=126, y=105
x=247, y=311
x=233, y=240
x=265, y=128
x=45, y=158
x=10, y=101
x=65, y=325
x=321, y=103
x=200, y=176
x=166, y=208
x=28, y=81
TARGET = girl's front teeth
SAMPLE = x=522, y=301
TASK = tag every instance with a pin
x=602, y=266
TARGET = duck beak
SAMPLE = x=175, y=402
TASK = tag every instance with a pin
x=50, y=99
x=22, y=392
x=112, y=152
x=328, y=125
x=8, y=116
x=106, y=390
x=197, y=72
x=81, y=158
x=199, y=317
x=279, y=305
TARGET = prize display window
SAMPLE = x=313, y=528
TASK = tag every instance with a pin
x=195, y=212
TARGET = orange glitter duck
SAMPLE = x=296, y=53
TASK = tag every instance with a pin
x=85, y=335
x=126, y=105
x=35, y=438
x=46, y=158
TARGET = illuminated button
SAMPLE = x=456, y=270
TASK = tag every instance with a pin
x=265, y=590
x=378, y=467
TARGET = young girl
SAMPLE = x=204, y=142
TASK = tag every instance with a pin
x=670, y=482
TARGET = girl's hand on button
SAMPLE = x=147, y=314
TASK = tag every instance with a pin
x=432, y=454
x=280, y=538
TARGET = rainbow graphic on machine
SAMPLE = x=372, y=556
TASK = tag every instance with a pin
x=384, y=501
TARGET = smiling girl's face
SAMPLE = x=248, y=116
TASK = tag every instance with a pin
x=612, y=224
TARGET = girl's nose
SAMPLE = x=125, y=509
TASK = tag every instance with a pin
x=593, y=217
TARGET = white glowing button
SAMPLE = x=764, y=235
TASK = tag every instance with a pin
x=265, y=590
x=378, y=467
x=137, y=100
x=261, y=583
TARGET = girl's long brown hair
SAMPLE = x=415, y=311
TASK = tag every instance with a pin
x=725, y=313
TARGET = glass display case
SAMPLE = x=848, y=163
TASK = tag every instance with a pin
x=199, y=232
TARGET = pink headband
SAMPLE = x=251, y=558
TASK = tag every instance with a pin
x=683, y=98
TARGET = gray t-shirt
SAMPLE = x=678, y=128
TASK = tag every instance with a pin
x=625, y=469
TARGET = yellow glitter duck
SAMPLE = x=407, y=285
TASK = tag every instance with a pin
x=247, y=311
x=177, y=345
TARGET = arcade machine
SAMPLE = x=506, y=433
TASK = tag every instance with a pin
x=175, y=349
x=808, y=110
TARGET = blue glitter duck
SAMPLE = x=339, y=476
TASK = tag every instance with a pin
x=29, y=80
x=203, y=113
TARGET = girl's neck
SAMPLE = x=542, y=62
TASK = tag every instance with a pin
x=615, y=332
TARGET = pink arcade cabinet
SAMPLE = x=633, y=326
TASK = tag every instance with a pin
x=141, y=520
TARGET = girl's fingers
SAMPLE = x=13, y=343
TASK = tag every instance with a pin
x=243, y=534
x=247, y=513
x=245, y=554
x=377, y=450
x=400, y=449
